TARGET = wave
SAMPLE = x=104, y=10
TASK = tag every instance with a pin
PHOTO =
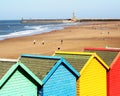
x=29, y=30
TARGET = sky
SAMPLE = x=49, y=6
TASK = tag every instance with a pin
x=58, y=9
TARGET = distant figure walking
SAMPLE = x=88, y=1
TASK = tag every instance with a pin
x=61, y=41
x=43, y=42
x=58, y=48
x=34, y=42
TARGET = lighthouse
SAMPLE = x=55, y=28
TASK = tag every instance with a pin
x=74, y=17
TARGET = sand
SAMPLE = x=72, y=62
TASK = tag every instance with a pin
x=75, y=38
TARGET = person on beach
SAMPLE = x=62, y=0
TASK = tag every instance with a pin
x=58, y=48
x=34, y=42
x=61, y=41
x=43, y=42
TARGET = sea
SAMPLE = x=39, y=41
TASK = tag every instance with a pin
x=14, y=28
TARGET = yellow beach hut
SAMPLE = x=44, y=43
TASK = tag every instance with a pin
x=93, y=70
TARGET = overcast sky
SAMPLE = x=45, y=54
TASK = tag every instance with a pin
x=60, y=9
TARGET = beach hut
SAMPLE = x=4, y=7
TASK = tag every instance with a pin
x=114, y=77
x=93, y=71
x=57, y=75
x=17, y=80
x=112, y=57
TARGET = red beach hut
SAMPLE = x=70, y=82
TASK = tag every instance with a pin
x=113, y=80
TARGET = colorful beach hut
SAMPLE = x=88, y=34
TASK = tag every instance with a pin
x=17, y=80
x=112, y=57
x=57, y=75
x=114, y=77
x=93, y=71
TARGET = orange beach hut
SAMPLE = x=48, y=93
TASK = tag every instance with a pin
x=93, y=70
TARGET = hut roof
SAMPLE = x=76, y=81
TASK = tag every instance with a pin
x=107, y=54
x=5, y=65
x=7, y=68
x=42, y=66
x=76, y=60
x=79, y=59
x=116, y=60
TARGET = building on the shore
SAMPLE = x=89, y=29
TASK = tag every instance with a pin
x=112, y=57
x=17, y=80
x=93, y=72
x=68, y=20
x=57, y=75
x=113, y=80
x=74, y=19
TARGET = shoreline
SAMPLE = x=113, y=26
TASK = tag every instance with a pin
x=75, y=38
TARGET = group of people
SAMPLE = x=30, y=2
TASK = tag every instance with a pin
x=43, y=42
x=34, y=42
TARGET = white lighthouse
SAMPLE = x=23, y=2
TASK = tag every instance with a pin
x=74, y=17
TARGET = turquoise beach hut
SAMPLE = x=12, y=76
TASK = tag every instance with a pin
x=17, y=80
x=57, y=75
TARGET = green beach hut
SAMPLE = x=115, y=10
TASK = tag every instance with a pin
x=17, y=80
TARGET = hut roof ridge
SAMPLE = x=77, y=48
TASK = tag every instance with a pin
x=104, y=49
x=41, y=56
x=74, y=53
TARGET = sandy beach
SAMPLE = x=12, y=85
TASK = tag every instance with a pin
x=75, y=38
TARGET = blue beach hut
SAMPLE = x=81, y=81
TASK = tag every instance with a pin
x=17, y=80
x=57, y=75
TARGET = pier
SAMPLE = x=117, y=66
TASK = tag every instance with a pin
x=73, y=19
x=45, y=20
